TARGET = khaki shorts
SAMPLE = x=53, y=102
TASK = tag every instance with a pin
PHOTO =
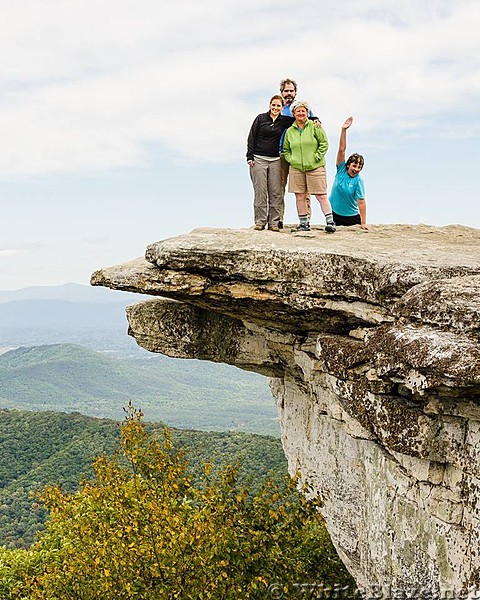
x=313, y=182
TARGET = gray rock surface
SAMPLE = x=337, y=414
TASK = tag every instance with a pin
x=371, y=341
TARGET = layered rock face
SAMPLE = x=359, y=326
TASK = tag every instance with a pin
x=371, y=341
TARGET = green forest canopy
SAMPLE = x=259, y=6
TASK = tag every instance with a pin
x=144, y=526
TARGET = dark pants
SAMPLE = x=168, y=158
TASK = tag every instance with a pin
x=341, y=220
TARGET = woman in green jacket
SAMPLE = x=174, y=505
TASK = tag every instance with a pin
x=304, y=148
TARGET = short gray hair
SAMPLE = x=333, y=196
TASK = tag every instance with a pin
x=298, y=104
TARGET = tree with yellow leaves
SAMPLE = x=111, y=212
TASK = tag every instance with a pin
x=144, y=529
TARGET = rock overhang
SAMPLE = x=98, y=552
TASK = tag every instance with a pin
x=286, y=281
x=372, y=343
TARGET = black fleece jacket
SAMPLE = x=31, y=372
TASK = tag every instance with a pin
x=265, y=134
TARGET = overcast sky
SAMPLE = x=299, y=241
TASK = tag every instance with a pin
x=124, y=122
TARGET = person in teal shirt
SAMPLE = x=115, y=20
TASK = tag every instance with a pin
x=348, y=191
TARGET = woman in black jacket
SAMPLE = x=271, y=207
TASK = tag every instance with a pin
x=263, y=157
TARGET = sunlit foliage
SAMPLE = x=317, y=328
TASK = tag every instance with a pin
x=143, y=528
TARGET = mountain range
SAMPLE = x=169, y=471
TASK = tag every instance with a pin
x=181, y=393
x=70, y=313
x=66, y=356
x=70, y=292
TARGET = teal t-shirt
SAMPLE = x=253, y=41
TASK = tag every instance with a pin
x=345, y=192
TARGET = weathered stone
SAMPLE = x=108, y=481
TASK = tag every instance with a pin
x=372, y=343
x=454, y=303
x=178, y=330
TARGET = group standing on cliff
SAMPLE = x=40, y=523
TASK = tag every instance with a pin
x=289, y=142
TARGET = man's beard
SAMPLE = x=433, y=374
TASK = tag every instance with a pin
x=289, y=99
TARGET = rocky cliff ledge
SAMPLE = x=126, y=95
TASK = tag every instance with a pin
x=371, y=341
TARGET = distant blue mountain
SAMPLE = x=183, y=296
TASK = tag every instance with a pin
x=70, y=313
x=70, y=292
x=63, y=315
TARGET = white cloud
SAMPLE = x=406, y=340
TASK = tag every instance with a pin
x=96, y=240
x=94, y=85
x=18, y=249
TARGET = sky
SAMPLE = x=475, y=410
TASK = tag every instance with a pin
x=125, y=122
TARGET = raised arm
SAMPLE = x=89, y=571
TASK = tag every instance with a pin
x=342, y=144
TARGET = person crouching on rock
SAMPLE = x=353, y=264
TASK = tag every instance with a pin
x=263, y=158
x=304, y=148
x=348, y=191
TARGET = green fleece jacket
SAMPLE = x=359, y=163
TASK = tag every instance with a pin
x=305, y=150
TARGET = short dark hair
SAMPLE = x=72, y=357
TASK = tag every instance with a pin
x=283, y=83
x=357, y=159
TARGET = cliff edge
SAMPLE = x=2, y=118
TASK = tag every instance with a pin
x=371, y=342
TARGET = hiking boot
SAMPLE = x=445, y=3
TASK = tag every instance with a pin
x=330, y=227
x=259, y=227
x=301, y=227
x=274, y=228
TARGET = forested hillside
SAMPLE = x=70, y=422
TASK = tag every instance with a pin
x=185, y=394
x=263, y=528
x=47, y=447
x=146, y=526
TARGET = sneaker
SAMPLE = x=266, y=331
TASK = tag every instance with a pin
x=330, y=227
x=274, y=228
x=259, y=227
x=301, y=227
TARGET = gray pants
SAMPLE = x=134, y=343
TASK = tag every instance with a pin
x=268, y=198
x=284, y=166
